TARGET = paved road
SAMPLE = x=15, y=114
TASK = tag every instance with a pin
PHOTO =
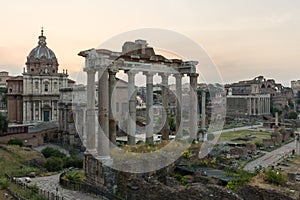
x=50, y=183
x=270, y=157
x=238, y=129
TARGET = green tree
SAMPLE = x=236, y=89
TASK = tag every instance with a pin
x=172, y=123
x=15, y=141
x=293, y=115
x=51, y=152
x=54, y=164
x=3, y=124
x=275, y=177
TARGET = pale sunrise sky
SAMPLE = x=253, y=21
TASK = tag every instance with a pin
x=244, y=38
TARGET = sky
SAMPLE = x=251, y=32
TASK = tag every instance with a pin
x=243, y=38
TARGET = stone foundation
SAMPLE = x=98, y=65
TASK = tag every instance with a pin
x=99, y=173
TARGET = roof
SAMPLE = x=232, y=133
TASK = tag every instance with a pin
x=15, y=78
x=42, y=51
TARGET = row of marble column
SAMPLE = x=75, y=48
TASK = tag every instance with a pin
x=30, y=108
x=106, y=107
x=258, y=105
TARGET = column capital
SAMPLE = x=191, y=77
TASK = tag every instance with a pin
x=90, y=70
x=193, y=75
x=179, y=75
x=149, y=73
x=164, y=75
x=112, y=71
x=131, y=72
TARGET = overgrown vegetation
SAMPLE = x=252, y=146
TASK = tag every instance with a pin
x=241, y=178
x=3, y=124
x=74, y=176
x=275, y=177
x=180, y=179
x=51, y=152
x=3, y=183
x=57, y=160
x=15, y=141
x=187, y=154
x=54, y=164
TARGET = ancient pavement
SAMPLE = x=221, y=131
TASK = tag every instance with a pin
x=50, y=183
x=270, y=157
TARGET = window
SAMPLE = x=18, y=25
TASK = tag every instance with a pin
x=46, y=87
x=55, y=85
x=36, y=85
x=117, y=107
x=124, y=107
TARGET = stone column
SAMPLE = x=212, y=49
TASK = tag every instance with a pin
x=179, y=120
x=24, y=111
x=131, y=124
x=149, y=107
x=112, y=106
x=203, y=114
x=84, y=127
x=33, y=111
x=250, y=107
x=193, y=106
x=28, y=111
x=40, y=109
x=254, y=106
x=65, y=118
x=165, y=104
x=103, y=115
x=90, y=112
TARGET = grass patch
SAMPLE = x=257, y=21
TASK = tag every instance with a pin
x=253, y=136
x=15, y=160
x=241, y=178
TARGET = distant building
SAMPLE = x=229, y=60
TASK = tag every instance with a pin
x=72, y=111
x=34, y=96
x=3, y=77
x=295, y=85
x=258, y=88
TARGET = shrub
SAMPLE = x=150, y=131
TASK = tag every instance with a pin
x=51, y=152
x=74, y=176
x=241, y=178
x=73, y=162
x=187, y=154
x=34, y=188
x=275, y=177
x=54, y=164
x=3, y=124
x=3, y=183
x=15, y=141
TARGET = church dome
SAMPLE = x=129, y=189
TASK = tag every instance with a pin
x=41, y=59
x=42, y=50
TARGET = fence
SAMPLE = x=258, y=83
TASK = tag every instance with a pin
x=44, y=193
x=87, y=188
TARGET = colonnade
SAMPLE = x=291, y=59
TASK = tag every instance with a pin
x=258, y=105
x=107, y=70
